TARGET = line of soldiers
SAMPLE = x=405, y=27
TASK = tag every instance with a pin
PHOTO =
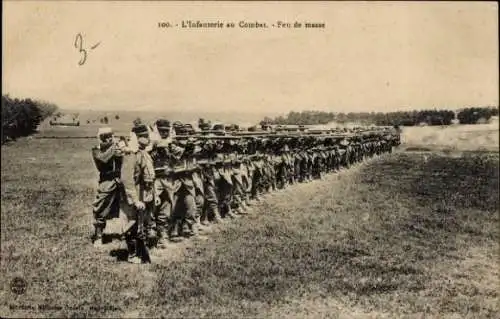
x=185, y=183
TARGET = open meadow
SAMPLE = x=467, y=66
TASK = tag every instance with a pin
x=408, y=234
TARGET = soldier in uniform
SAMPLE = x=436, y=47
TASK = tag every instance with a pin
x=304, y=157
x=135, y=235
x=162, y=129
x=354, y=153
x=360, y=150
x=210, y=210
x=108, y=159
x=282, y=167
x=322, y=160
x=245, y=169
x=345, y=150
x=297, y=163
x=269, y=174
x=262, y=165
x=246, y=177
x=144, y=177
x=199, y=193
x=185, y=210
x=316, y=163
x=237, y=203
x=310, y=161
x=224, y=187
x=164, y=155
x=257, y=171
x=141, y=130
x=292, y=173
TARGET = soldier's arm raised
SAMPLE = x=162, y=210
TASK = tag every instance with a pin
x=103, y=156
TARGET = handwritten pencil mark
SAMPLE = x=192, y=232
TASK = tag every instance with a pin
x=95, y=46
x=79, y=45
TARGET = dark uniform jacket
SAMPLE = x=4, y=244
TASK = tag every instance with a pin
x=108, y=165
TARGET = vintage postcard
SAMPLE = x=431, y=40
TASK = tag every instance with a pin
x=249, y=159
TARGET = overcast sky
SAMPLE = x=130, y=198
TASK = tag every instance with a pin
x=369, y=57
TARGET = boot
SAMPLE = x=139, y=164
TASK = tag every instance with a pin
x=247, y=202
x=243, y=206
x=192, y=231
x=184, y=230
x=217, y=218
x=132, y=252
x=201, y=223
x=162, y=237
x=230, y=213
x=98, y=237
x=170, y=231
x=205, y=223
x=134, y=259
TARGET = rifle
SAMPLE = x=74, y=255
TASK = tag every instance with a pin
x=141, y=247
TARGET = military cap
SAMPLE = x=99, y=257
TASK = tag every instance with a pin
x=104, y=131
x=140, y=130
x=162, y=123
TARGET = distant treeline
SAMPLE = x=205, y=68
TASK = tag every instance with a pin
x=476, y=115
x=21, y=117
x=473, y=115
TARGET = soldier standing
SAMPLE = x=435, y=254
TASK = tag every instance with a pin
x=225, y=188
x=108, y=158
x=246, y=176
x=282, y=167
x=164, y=188
x=336, y=158
x=135, y=232
x=166, y=154
x=184, y=211
x=239, y=190
x=210, y=210
x=199, y=193
x=140, y=130
x=257, y=177
x=144, y=177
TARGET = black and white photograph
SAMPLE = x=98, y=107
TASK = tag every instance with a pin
x=250, y=159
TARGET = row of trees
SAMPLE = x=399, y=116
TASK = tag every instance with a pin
x=406, y=118
x=21, y=117
x=474, y=115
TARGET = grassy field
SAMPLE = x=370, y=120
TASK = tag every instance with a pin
x=407, y=235
x=482, y=137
